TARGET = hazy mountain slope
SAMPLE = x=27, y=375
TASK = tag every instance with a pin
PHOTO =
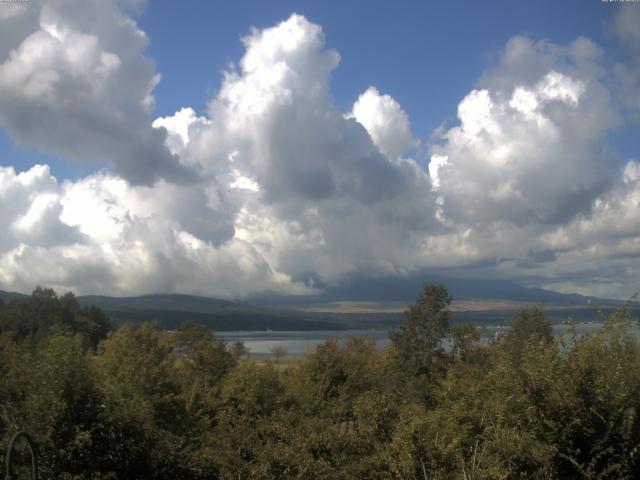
x=8, y=296
x=175, y=302
x=407, y=288
x=286, y=313
x=173, y=309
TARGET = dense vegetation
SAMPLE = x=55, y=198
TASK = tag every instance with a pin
x=140, y=403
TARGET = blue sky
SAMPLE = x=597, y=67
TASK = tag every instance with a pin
x=482, y=139
x=426, y=54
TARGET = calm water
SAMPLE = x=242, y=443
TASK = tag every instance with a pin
x=299, y=343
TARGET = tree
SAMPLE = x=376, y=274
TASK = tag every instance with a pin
x=420, y=336
x=50, y=390
x=279, y=351
x=146, y=417
x=250, y=395
x=464, y=338
x=203, y=362
x=238, y=349
x=527, y=327
x=35, y=317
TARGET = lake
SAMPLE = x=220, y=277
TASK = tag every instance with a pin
x=297, y=343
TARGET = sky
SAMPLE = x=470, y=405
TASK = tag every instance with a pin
x=236, y=149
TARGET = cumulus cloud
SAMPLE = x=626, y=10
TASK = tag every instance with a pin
x=531, y=144
x=598, y=253
x=294, y=194
x=291, y=191
x=385, y=121
x=177, y=127
x=101, y=234
x=332, y=186
x=30, y=209
x=74, y=82
x=526, y=182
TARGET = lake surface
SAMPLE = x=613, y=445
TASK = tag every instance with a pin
x=298, y=343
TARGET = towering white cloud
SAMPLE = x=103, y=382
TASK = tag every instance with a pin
x=329, y=200
x=598, y=253
x=30, y=210
x=178, y=127
x=100, y=234
x=74, y=81
x=385, y=121
x=292, y=193
x=531, y=144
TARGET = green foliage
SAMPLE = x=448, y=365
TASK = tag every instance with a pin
x=527, y=327
x=416, y=360
x=202, y=360
x=42, y=313
x=464, y=340
x=54, y=397
x=151, y=404
x=420, y=336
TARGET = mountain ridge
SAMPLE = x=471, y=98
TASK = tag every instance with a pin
x=293, y=313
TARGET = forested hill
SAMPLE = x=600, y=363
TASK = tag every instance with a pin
x=172, y=310
x=221, y=315
x=8, y=296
